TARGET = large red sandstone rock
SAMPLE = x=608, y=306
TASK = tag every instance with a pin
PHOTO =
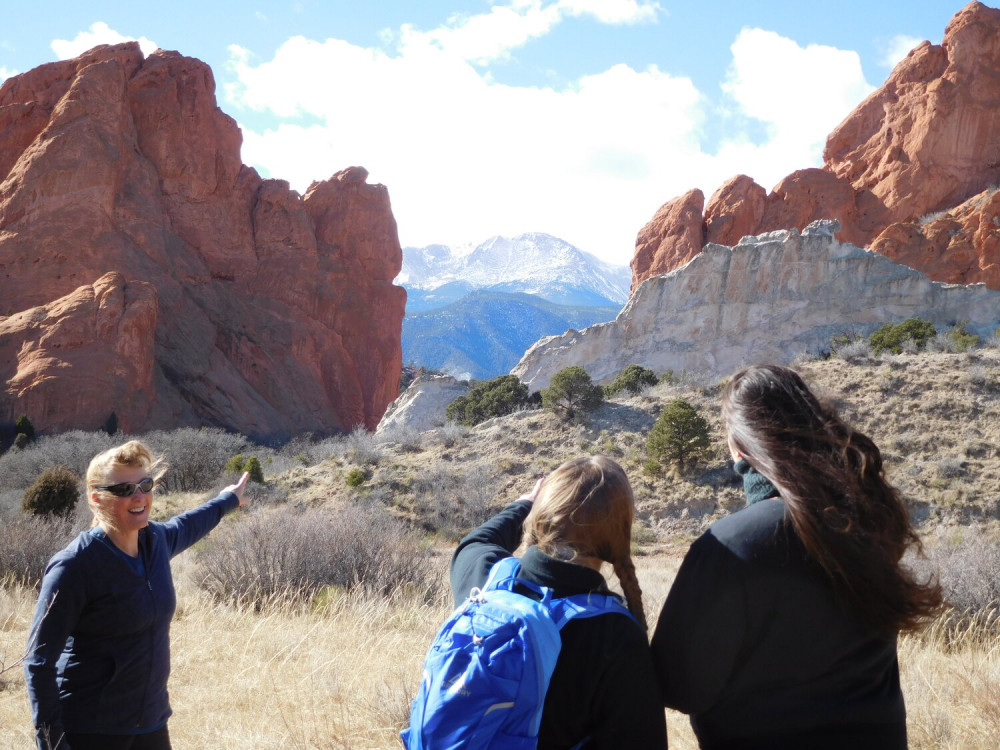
x=673, y=237
x=734, y=211
x=274, y=313
x=927, y=140
x=96, y=345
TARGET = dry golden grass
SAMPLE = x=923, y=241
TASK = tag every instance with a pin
x=343, y=676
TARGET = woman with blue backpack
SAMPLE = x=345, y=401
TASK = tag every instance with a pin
x=540, y=653
x=779, y=631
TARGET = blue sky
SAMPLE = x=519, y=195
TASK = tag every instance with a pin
x=578, y=118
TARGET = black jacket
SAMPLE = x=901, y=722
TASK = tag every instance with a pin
x=603, y=685
x=753, y=645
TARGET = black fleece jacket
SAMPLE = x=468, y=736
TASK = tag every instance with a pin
x=603, y=686
x=752, y=643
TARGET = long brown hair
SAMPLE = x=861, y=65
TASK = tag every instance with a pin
x=852, y=522
x=585, y=508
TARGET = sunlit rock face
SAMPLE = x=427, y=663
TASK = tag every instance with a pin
x=768, y=299
x=239, y=303
x=423, y=404
x=927, y=141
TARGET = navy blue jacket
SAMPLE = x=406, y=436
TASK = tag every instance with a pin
x=100, y=649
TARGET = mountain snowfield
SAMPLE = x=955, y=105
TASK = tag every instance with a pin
x=531, y=263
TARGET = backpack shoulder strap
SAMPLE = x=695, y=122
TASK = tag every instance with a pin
x=582, y=606
x=502, y=573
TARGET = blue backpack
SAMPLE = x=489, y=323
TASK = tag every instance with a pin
x=488, y=669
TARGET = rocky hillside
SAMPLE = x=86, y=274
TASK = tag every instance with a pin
x=935, y=416
x=912, y=172
x=146, y=272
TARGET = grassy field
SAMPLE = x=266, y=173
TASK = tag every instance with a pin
x=343, y=676
x=338, y=668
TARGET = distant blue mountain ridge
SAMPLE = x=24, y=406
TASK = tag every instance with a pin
x=485, y=333
x=472, y=312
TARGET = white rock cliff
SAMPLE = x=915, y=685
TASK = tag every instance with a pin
x=768, y=299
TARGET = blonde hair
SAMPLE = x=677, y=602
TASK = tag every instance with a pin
x=585, y=508
x=132, y=453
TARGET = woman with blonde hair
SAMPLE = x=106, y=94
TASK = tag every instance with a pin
x=99, y=654
x=602, y=692
x=780, y=629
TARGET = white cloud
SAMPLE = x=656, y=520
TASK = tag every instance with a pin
x=800, y=93
x=465, y=157
x=99, y=33
x=613, y=11
x=491, y=36
x=898, y=48
x=6, y=73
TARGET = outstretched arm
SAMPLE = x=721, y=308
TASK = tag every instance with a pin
x=187, y=528
x=485, y=545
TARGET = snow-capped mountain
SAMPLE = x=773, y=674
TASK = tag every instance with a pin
x=532, y=263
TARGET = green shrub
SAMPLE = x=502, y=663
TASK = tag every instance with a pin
x=492, y=398
x=254, y=469
x=235, y=464
x=356, y=477
x=632, y=379
x=892, y=336
x=54, y=493
x=680, y=436
x=962, y=338
x=250, y=464
x=23, y=426
x=669, y=378
x=570, y=391
x=21, y=441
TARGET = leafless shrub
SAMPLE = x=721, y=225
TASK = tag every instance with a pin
x=27, y=542
x=404, y=437
x=942, y=342
x=454, y=501
x=977, y=376
x=858, y=349
x=361, y=447
x=196, y=457
x=949, y=468
x=451, y=433
x=18, y=469
x=969, y=572
x=293, y=555
x=932, y=216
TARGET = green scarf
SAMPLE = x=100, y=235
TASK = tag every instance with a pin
x=756, y=485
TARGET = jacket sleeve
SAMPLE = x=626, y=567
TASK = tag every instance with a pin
x=181, y=531
x=482, y=547
x=61, y=600
x=630, y=713
x=701, y=628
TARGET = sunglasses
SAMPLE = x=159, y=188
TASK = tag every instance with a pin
x=127, y=489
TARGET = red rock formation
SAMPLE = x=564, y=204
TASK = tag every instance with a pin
x=954, y=246
x=274, y=313
x=674, y=236
x=927, y=140
x=734, y=211
x=96, y=345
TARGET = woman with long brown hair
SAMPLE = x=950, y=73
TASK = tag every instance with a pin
x=780, y=629
x=602, y=693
